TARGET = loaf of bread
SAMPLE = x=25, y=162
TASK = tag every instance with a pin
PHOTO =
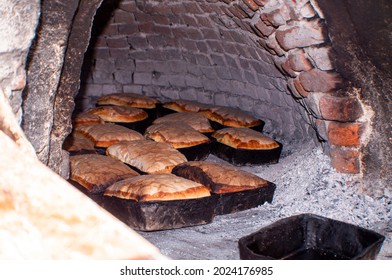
x=119, y=114
x=177, y=134
x=244, y=138
x=219, y=177
x=181, y=105
x=104, y=135
x=157, y=187
x=231, y=117
x=128, y=100
x=97, y=172
x=86, y=119
x=147, y=156
x=195, y=120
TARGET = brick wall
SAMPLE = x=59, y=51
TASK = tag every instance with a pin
x=273, y=58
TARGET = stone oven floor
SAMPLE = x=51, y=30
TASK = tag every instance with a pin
x=305, y=184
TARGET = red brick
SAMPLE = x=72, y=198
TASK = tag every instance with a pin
x=178, y=9
x=308, y=34
x=251, y=4
x=300, y=89
x=344, y=109
x=237, y=12
x=249, y=12
x=121, y=16
x=320, y=81
x=345, y=160
x=147, y=27
x=128, y=6
x=298, y=61
x=161, y=19
x=293, y=89
x=193, y=8
x=272, y=44
x=264, y=29
x=127, y=29
x=278, y=17
x=117, y=42
x=261, y=2
x=344, y=134
x=288, y=69
x=268, y=49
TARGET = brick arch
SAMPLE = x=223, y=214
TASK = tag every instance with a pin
x=246, y=53
x=296, y=34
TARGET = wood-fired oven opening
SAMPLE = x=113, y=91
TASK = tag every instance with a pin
x=287, y=99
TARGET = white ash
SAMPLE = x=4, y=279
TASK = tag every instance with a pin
x=306, y=183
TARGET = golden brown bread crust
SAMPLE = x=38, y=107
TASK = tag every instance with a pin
x=230, y=117
x=177, y=134
x=219, y=177
x=181, y=105
x=128, y=100
x=77, y=142
x=195, y=120
x=97, y=172
x=157, y=187
x=86, y=118
x=119, y=114
x=147, y=156
x=244, y=138
x=104, y=135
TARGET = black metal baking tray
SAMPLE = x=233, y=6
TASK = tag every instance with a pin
x=217, y=126
x=245, y=156
x=162, y=215
x=198, y=152
x=310, y=237
x=239, y=201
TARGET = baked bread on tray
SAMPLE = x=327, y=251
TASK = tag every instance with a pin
x=160, y=201
x=97, y=172
x=237, y=189
x=133, y=118
x=128, y=100
x=85, y=119
x=221, y=117
x=181, y=105
x=157, y=187
x=104, y=135
x=195, y=120
x=148, y=104
x=147, y=156
x=244, y=146
x=193, y=144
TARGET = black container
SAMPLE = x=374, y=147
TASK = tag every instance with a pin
x=162, y=215
x=217, y=126
x=243, y=200
x=139, y=126
x=198, y=152
x=246, y=156
x=310, y=237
